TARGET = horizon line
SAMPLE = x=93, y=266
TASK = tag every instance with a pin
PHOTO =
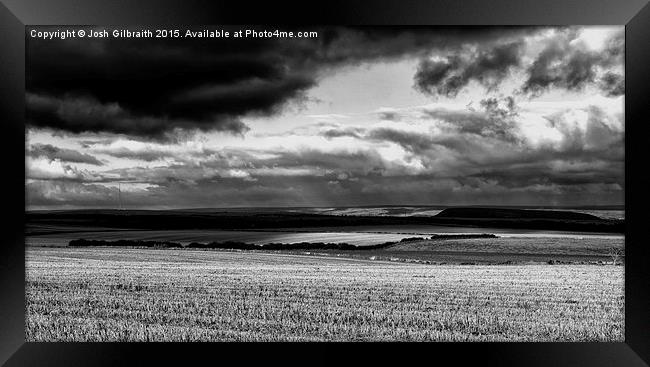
x=585, y=207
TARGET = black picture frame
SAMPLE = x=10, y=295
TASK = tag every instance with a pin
x=635, y=15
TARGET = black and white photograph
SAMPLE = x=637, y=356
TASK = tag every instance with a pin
x=325, y=184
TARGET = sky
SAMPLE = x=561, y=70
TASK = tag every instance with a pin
x=356, y=116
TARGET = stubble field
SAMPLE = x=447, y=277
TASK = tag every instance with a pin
x=117, y=294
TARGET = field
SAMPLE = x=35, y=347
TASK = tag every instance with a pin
x=512, y=246
x=110, y=294
x=500, y=250
x=186, y=236
x=407, y=211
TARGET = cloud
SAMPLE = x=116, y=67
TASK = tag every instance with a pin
x=151, y=88
x=493, y=144
x=147, y=155
x=46, y=169
x=496, y=120
x=78, y=114
x=447, y=76
x=412, y=142
x=337, y=132
x=567, y=63
x=612, y=84
x=149, y=104
x=69, y=194
x=65, y=155
x=388, y=114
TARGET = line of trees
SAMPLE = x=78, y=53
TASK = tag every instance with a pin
x=237, y=245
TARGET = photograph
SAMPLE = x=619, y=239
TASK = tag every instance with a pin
x=263, y=183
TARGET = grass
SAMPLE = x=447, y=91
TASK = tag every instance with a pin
x=116, y=294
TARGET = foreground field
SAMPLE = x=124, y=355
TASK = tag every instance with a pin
x=110, y=294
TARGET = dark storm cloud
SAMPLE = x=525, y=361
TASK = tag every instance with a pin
x=154, y=86
x=487, y=66
x=79, y=114
x=65, y=155
x=567, y=65
x=149, y=88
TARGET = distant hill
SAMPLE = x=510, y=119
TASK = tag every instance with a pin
x=40, y=223
x=505, y=213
